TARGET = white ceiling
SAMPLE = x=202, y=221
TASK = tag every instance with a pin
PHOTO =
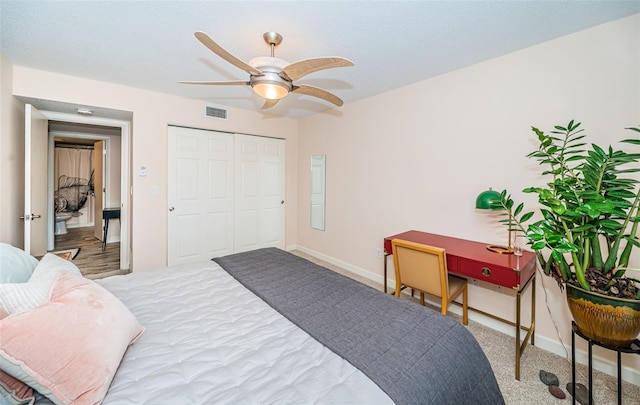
x=150, y=44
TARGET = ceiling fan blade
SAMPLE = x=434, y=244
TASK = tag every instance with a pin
x=218, y=50
x=233, y=83
x=302, y=68
x=317, y=92
x=268, y=103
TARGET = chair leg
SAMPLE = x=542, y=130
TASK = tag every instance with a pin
x=444, y=308
x=465, y=306
x=421, y=298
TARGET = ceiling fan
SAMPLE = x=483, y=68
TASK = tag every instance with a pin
x=272, y=78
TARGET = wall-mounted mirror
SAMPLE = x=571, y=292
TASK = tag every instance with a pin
x=318, y=190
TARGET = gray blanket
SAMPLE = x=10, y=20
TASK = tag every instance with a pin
x=416, y=355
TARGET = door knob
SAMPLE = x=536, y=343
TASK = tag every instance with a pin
x=29, y=217
x=171, y=208
x=282, y=202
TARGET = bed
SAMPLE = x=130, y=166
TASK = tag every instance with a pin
x=268, y=327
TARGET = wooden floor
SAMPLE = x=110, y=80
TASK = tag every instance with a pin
x=92, y=261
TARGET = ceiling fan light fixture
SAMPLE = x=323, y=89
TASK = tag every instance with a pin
x=270, y=91
x=270, y=85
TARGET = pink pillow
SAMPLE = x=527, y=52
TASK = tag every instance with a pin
x=15, y=391
x=69, y=348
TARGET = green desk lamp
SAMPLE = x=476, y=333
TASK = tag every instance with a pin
x=490, y=200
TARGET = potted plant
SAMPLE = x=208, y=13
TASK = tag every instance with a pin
x=590, y=210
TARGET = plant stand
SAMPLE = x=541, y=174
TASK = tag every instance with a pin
x=634, y=348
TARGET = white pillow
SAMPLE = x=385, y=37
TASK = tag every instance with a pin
x=49, y=265
x=16, y=266
x=21, y=297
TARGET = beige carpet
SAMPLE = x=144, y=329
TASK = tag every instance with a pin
x=500, y=349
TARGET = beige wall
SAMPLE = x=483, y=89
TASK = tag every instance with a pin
x=152, y=113
x=417, y=157
x=11, y=159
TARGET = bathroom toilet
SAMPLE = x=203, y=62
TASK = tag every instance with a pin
x=61, y=222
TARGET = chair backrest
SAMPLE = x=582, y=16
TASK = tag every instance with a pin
x=421, y=267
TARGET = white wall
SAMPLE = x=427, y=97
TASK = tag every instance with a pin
x=417, y=157
x=152, y=113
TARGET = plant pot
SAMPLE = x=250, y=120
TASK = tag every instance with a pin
x=608, y=320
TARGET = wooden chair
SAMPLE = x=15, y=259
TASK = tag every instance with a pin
x=424, y=268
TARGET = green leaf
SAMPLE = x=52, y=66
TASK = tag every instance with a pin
x=566, y=248
x=527, y=216
x=518, y=209
x=554, y=239
x=539, y=245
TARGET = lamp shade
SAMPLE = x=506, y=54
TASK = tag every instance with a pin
x=270, y=91
x=488, y=200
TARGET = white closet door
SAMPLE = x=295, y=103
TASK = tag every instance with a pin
x=200, y=195
x=259, y=192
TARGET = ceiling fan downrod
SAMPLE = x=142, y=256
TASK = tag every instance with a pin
x=272, y=39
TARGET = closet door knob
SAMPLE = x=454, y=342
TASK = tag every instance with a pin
x=171, y=208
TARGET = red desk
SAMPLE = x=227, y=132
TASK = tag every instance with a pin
x=472, y=260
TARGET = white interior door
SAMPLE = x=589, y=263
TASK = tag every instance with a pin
x=98, y=187
x=259, y=192
x=200, y=194
x=36, y=215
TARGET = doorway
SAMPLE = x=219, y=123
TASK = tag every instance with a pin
x=49, y=110
x=85, y=171
x=123, y=124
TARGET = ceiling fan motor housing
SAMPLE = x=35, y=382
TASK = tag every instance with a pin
x=270, y=84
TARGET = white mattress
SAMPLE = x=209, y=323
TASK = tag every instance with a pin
x=209, y=340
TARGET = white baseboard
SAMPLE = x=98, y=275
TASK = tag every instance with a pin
x=344, y=265
x=629, y=374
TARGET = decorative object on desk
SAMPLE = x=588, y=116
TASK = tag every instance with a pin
x=590, y=210
x=491, y=200
x=518, y=244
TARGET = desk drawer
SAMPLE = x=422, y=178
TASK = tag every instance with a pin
x=504, y=276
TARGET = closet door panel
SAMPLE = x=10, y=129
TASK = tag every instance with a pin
x=259, y=182
x=200, y=194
